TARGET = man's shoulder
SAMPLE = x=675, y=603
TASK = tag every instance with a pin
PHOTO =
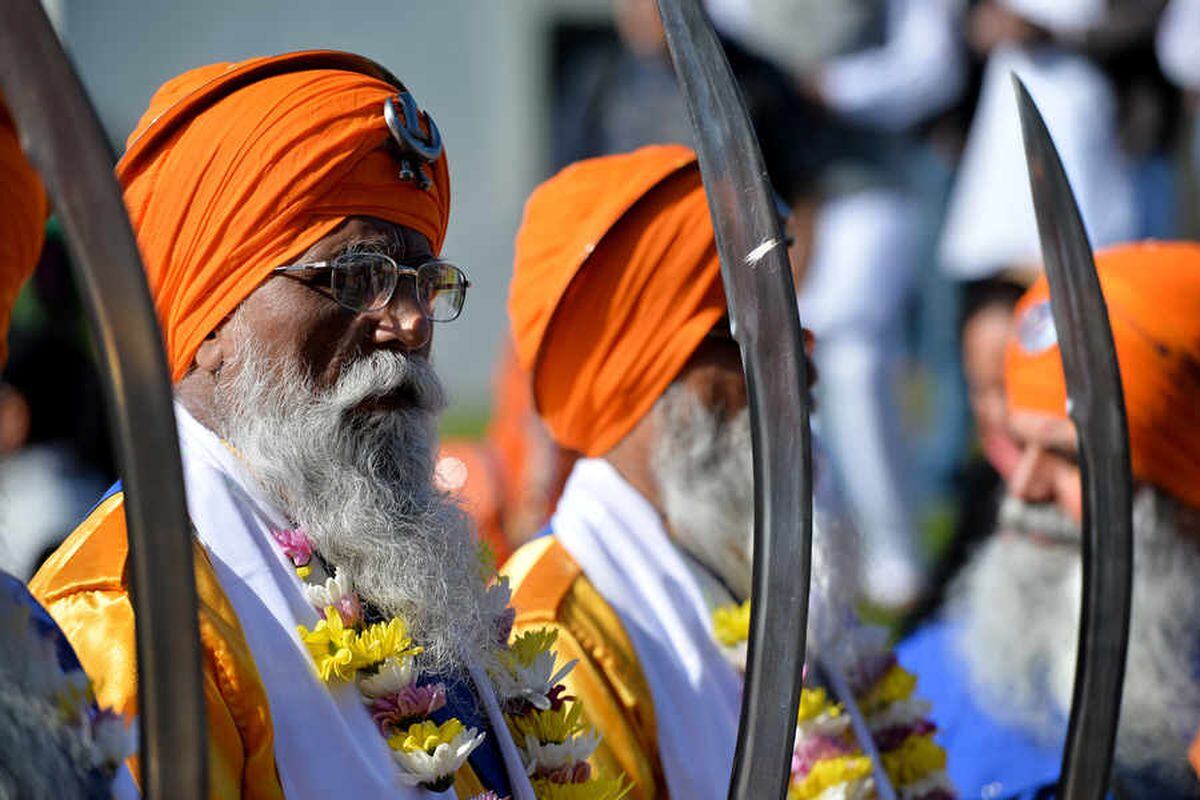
x=92, y=558
x=542, y=574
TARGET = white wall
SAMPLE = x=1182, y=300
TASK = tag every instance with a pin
x=478, y=66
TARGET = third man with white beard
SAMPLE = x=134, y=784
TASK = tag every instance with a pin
x=1000, y=665
x=619, y=314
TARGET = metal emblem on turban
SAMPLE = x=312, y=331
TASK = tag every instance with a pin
x=417, y=147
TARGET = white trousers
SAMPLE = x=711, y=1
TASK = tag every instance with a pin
x=853, y=299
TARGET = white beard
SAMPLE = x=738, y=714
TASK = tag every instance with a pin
x=360, y=484
x=1018, y=604
x=704, y=467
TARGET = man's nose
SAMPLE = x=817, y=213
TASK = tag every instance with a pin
x=402, y=322
x=1029, y=479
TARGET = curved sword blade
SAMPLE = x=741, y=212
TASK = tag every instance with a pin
x=1097, y=407
x=64, y=140
x=762, y=311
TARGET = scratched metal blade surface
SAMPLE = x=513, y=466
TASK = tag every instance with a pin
x=64, y=140
x=1098, y=409
x=762, y=310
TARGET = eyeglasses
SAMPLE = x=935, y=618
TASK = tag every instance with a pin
x=364, y=282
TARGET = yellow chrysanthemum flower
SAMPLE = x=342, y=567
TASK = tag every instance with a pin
x=731, y=624
x=526, y=647
x=552, y=726
x=595, y=789
x=384, y=640
x=896, y=684
x=914, y=760
x=815, y=702
x=425, y=736
x=339, y=652
x=830, y=772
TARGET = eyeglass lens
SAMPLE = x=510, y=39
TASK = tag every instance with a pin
x=367, y=281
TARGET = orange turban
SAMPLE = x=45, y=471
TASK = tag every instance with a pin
x=616, y=283
x=1152, y=290
x=239, y=168
x=23, y=211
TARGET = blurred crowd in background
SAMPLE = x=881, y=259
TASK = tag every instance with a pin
x=889, y=129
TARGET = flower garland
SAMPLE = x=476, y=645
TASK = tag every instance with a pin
x=381, y=659
x=46, y=699
x=827, y=761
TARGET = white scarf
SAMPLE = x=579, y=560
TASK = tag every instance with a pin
x=326, y=744
x=619, y=541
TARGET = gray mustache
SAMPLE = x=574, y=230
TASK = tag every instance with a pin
x=1037, y=519
x=383, y=373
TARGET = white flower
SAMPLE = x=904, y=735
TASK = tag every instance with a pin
x=532, y=683
x=550, y=756
x=902, y=712
x=497, y=598
x=113, y=739
x=861, y=789
x=332, y=591
x=419, y=766
x=394, y=675
x=926, y=786
x=824, y=725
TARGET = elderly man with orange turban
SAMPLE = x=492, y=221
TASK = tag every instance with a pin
x=1001, y=664
x=289, y=211
x=618, y=312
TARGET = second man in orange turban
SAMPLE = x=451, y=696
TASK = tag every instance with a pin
x=618, y=312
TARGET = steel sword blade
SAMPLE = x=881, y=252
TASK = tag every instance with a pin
x=65, y=142
x=765, y=322
x=1097, y=407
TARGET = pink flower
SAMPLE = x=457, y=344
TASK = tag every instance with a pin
x=296, y=545
x=812, y=749
x=489, y=796
x=350, y=609
x=406, y=706
x=579, y=772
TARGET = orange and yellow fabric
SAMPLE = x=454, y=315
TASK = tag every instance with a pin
x=23, y=211
x=233, y=170
x=632, y=229
x=1152, y=290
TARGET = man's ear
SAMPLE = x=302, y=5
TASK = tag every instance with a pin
x=210, y=355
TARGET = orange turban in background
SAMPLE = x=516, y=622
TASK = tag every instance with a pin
x=1152, y=290
x=23, y=211
x=236, y=169
x=616, y=283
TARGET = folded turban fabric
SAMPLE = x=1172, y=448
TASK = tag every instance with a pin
x=1152, y=290
x=616, y=283
x=239, y=168
x=23, y=210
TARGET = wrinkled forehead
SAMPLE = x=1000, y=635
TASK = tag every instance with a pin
x=1037, y=428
